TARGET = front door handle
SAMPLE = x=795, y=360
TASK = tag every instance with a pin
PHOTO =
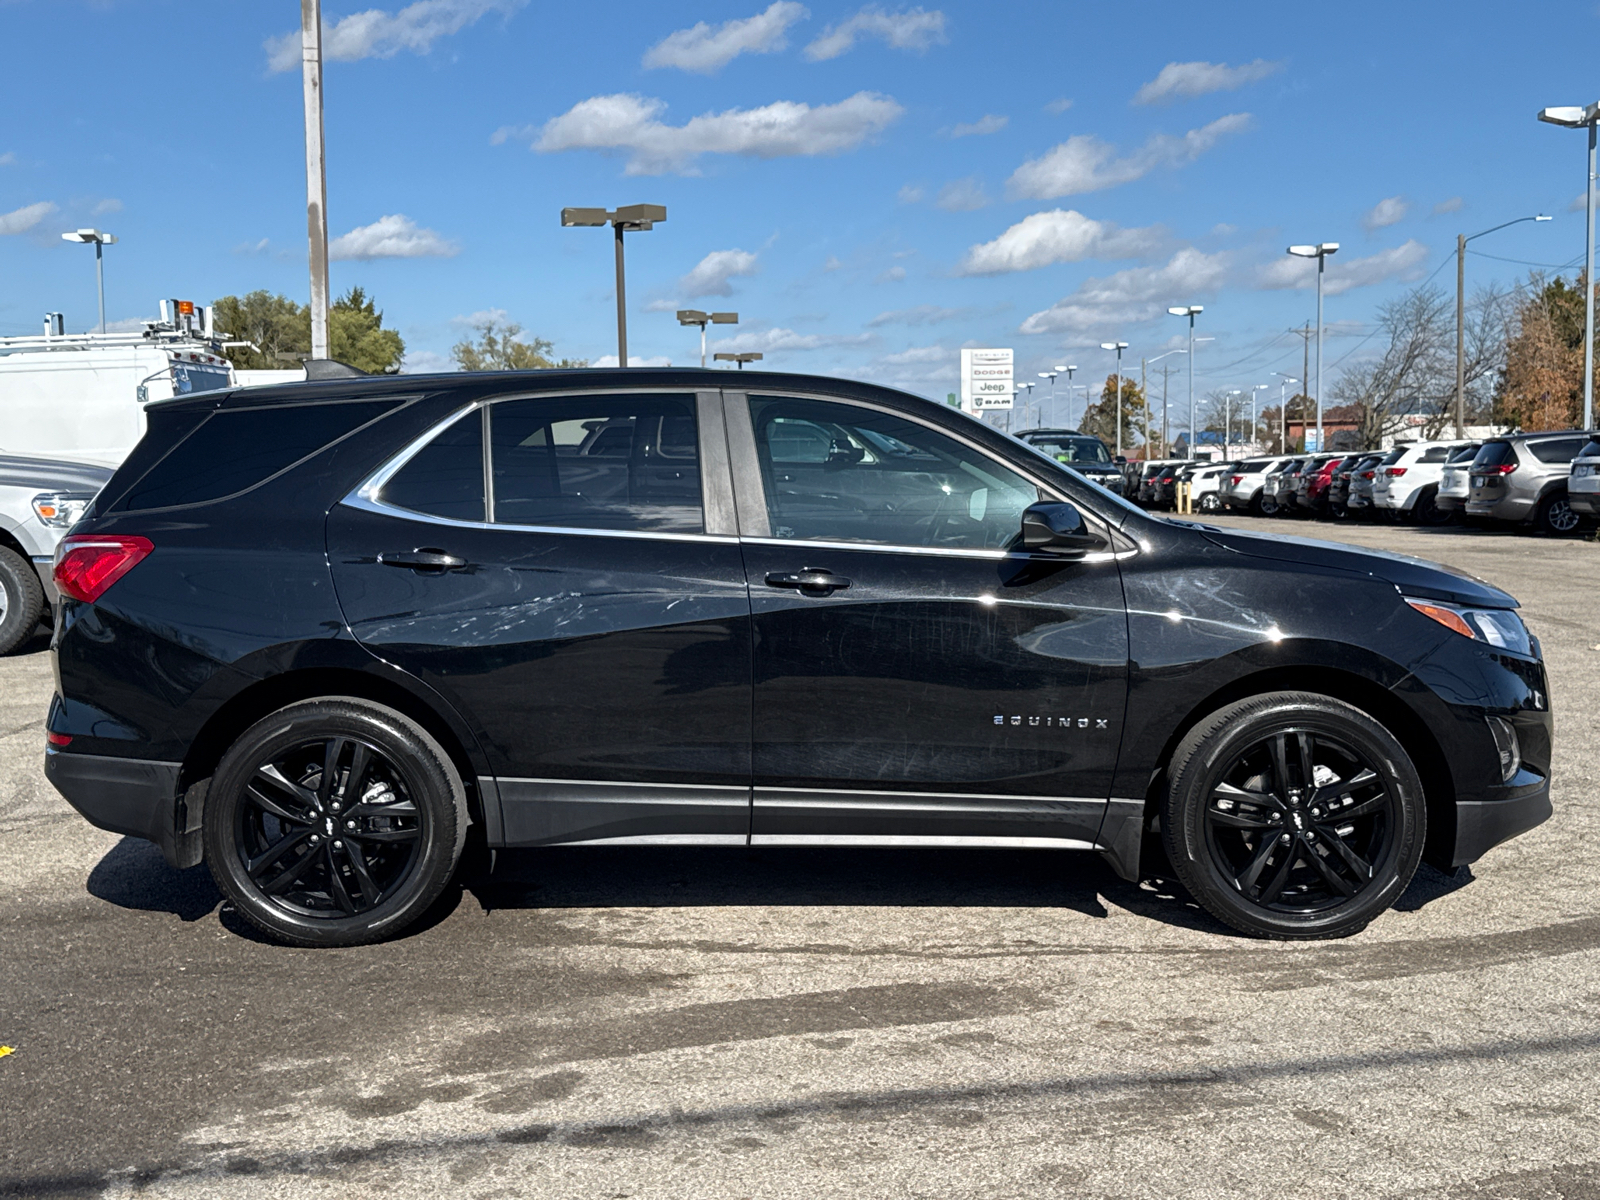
x=427, y=559
x=809, y=582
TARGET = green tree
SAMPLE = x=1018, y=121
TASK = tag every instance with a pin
x=356, y=335
x=1542, y=387
x=501, y=348
x=281, y=332
x=279, y=328
x=1101, y=419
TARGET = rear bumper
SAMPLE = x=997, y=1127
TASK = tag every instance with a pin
x=131, y=796
x=1483, y=824
x=1507, y=508
x=1449, y=503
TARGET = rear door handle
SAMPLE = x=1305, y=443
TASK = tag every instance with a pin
x=809, y=582
x=423, y=560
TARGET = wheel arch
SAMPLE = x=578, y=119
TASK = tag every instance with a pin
x=266, y=696
x=1381, y=703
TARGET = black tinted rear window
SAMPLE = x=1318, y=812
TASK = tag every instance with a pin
x=1435, y=454
x=1592, y=450
x=1557, y=450
x=236, y=450
x=1494, y=454
x=1255, y=464
x=445, y=477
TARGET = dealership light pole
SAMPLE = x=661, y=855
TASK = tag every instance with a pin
x=101, y=239
x=1283, y=411
x=1461, y=304
x=1190, y=311
x=633, y=218
x=1260, y=387
x=1051, y=376
x=1319, y=252
x=1119, y=347
x=741, y=359
x=1030, y=385
x=316, y=172
x=1143, y=364
x=693, y=316
x=1584, y=118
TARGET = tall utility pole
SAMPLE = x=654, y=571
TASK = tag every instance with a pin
x=1586, y=117
x=316, y=173
x=1320, y=252
x=1305, y=374
x=1165, y=371
x=1461, y=321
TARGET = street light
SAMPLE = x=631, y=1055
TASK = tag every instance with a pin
x=633, y=218
x=1017, y=391
x=1119, y=347
x=1051, y=376
x=1283, y=412
x=1260, y=387
x=1461, y=299
x=1190, y=311
x=693, y=316
x=741, y=359
x=1143, y=363
x=1584, y=118
x=100, y=240
x=1319, y=252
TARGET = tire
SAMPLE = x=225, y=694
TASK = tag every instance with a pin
x=21, y=600
x=1229, y=850
x=1426, y=510
x=1210, y=503
x=341, y=888
x=1555, y=516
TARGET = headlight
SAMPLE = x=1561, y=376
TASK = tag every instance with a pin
x=1499, y=627
x=60, y=510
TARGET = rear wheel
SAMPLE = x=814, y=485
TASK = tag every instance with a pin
x=334, y=822
x=1293, y=815
x=1210, y=503
x=1264, y=505
x=21, y=600
x=1426, y=511
x=1556, y=516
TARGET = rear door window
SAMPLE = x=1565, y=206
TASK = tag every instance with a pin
x=602, y=462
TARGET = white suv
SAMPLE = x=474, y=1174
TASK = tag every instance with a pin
x=1243, y=486
x=1409, y=480
x=1452, y=494
x=1583, y=485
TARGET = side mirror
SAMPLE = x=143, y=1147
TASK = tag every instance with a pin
x=1120, y=460
x=1051, y=527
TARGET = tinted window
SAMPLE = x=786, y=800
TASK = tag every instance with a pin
x=1393, y=456
x=600, y=462
x=1255, y=464
x=1463, y=454
x=1435, y=454
x=1557, y=450
x=1072, y=450
x=444, y=478
x=882, y=479
x=1592, y=450
x=1494, y=454
x=235, y=450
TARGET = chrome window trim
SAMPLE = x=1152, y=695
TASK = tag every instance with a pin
x=891, y=840
x=365, y=496
x=974, y=802
x=891, y=548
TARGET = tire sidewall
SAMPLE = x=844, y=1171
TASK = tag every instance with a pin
x=427, y=773
x=1547, y=510
x=1212, y=746
x=24, y=600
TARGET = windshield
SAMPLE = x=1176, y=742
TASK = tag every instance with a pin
x=1073, y=450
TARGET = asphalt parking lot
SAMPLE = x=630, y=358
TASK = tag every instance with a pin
x=659, y=1023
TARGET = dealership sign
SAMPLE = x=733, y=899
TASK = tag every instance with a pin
x=987, y=379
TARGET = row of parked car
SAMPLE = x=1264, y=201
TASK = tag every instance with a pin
x=1549, y=481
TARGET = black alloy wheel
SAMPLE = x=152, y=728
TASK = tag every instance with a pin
x=1294, y=815
x=334, y=822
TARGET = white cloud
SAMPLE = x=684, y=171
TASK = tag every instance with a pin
x=106, y=206
x=918, y=354
x=8, y=159
x=484, y=316
x=1401, y=262
x=769, y=341
x=910, y=29
x=426, y=362
x=1056, y=107
x=1060, y=235
x=378, y=34
x=832, y=263
x=1580, y=203
x=663, y=306
x=983, y=125
x=1132, y=296
x=711, y=275
x=1385, y=213
x=23, y=219
x=395, y=236
x=706, y=51
x=962, y=195
x=891, y=275
x=911, y=193
x=634, y=360
x=1447, y=206
x=922, y=314
x=1086, y=164
x=1185, y=81
x=780, y=130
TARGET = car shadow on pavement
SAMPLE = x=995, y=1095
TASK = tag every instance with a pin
x=134, y=875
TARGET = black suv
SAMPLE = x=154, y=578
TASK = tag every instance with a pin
x=1084, y=453
x=318, y=635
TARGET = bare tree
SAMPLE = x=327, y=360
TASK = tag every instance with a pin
x=1408, y=377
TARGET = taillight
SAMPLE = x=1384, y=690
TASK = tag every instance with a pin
x=1233, y=480
x=57, y=739
x=1394, y=472
x=1500, y=469
x=88, y=564
x=1368, y=474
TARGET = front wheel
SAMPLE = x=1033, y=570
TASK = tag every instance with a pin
x=1293, y=815
x=334, y=822
x=1210, y=503
x=21, y=600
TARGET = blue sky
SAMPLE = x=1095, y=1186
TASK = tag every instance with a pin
x=871, y=188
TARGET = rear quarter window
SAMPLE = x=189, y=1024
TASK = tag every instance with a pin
x=237, y=449
x=1435, y=454
x=1557, y=450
